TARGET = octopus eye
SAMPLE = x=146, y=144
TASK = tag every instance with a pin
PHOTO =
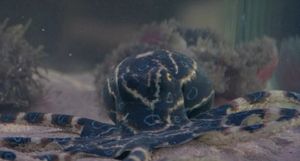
x=169, y=77
x=192, y=93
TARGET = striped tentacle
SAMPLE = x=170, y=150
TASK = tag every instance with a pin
x=214, y=129
x=232, y=123
x=239, y=125
x=68, y=123
x=7, y=155
x=109, y=147
x=35, y=143
x=57, y=156
x=11, y=156
x=249, y=121
x=255, y=119
x=266, y=99
x=70, y=147
x=32, y=144
x=258, y=100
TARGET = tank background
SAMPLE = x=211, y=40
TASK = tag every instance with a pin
x=78, y=34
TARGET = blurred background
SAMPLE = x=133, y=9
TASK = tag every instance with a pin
x=85, y=30
x=77, y=34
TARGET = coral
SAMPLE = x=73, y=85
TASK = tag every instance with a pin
x=236, y=71
x=18, y=67
x=256, y=63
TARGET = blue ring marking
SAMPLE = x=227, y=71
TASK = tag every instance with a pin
x=7, y=155
x=293, y=95
x=170, y=98
x=15, y=141
x=256, y=97
x=192, y=93
x=177, y=119
x=7, y=118
x=237, y=118
x=287, y=114
x=152, y=120
x=97, y=125
x=34, y=117
x=253, y=128
x=61, y=120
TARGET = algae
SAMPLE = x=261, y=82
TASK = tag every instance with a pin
x=19, y=86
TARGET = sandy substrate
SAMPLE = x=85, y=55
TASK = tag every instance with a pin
x=76, y=95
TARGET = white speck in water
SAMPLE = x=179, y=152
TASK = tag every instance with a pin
x=70, y=54
x=43, y=29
